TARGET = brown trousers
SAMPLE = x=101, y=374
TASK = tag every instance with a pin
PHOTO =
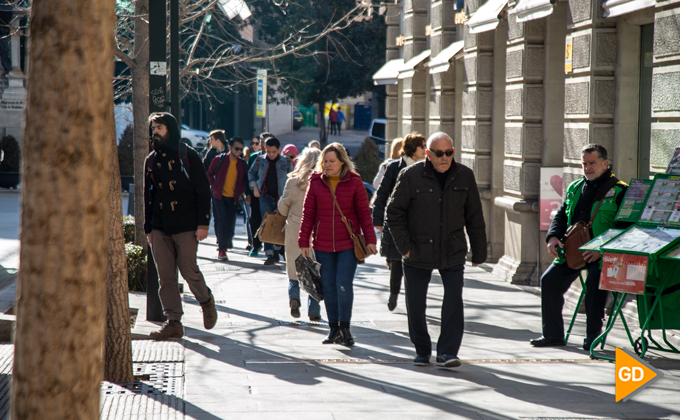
x=171, y=252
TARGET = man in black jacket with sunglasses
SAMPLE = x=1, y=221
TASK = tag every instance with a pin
x=433, y=203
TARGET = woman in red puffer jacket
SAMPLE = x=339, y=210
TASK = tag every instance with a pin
x=332, y=243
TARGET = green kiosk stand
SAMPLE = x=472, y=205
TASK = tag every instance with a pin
x=645, y=260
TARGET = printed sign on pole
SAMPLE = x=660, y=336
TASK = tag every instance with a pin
x=624, y=273
x=568, y=54
x=551, y=194
x=261, y=106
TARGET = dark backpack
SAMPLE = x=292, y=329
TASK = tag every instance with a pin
x=183, y=161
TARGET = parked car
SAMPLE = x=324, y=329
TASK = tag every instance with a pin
x=298, y=119
x=369, y=191
x=377, y=133
x=195, y=138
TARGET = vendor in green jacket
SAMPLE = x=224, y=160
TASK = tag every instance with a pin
x=579, y=204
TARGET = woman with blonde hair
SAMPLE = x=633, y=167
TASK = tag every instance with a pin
x=290, y=205
x=335, y=184
x=412, y=151
x=395, y=149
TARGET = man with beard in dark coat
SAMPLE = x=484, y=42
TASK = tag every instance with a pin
x=177, y=216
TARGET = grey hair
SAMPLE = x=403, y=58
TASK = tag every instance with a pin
x=306, y=162
x=436, y=136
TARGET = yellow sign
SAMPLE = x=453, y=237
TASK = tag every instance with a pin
x=632, y=375
x=568, y=54
x=460, y=18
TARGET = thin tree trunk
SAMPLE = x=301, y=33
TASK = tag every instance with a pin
x=118, y=346
x=323, y=133
x=140, y=112
x=61, y=302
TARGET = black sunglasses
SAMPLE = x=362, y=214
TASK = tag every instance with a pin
x=238, y=149
x=439, y=153
x=255, y=143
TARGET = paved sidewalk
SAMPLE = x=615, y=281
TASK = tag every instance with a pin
x=260, y=363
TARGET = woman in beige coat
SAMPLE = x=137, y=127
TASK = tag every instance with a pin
x=290, y=205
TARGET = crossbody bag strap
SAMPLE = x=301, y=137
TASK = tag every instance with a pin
x=344, y=219
x=592, y=219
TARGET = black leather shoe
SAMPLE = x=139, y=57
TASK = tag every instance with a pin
x=588, y=342
x=347, y=339
x=392, y=301
x=548, y=342
x=333, y=336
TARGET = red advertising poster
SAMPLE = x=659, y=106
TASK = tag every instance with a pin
x=551, y=194
x=624, y=273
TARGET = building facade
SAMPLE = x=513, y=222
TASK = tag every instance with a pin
x=522, y=85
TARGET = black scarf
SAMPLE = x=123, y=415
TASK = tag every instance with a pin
x=591, y=192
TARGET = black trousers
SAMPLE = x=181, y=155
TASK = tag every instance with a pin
x=255, y=221
x=396, y=273
x=554, y=284
x=452, y=318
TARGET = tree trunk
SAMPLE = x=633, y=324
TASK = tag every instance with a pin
x=323, y=132
x=140, y=112
x=118, y=346
x=61, y=300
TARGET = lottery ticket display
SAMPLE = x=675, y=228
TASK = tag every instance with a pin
x=645, y=240
x=634, y=200
x=662, y=204
x=596, y=243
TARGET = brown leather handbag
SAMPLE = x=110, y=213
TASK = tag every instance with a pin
x=272, y=228
x=575, y=237
x=360, y=248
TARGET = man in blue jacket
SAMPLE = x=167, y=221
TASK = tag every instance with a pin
x=268, y=177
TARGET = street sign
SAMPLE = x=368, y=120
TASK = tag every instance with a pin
x=261, y=107
x=632, y=375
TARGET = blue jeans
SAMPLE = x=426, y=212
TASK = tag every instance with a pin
x=268, y=203
x=313, y=307
x=246, y=219
x=225, y=215
x=337, y=279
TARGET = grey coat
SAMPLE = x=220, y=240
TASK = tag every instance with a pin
x=430, y=222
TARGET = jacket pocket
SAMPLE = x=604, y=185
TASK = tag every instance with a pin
x=316, y=231
x=456, y=246
x=422, y=250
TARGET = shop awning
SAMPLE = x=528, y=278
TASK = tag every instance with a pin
x=441, y=62
x=532, y=9
x=409, y=68
x=387, y=75
x=613, y=8
x=486, y=18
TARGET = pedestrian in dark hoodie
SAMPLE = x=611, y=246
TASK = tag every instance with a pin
x=177, y=216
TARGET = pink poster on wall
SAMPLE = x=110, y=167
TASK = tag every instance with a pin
x=551, y=194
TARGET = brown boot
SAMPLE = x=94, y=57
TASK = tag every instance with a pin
x=209, y=313
x=169, y=330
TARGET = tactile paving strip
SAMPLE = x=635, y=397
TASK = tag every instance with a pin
x=147, y=351
x=322, y=323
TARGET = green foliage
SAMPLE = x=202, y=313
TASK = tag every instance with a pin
x=367, y=160
x=12, y=160
x=136, y=266
x=126, y=160
x=339, y=65
x=129, y=229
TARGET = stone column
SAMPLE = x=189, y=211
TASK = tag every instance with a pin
x=414, y=88
x=13, y=98
x=524, y=107
x=665, y=86
x=392, y=20
x=477, y=102
x=442, y=85
x=590, y=89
